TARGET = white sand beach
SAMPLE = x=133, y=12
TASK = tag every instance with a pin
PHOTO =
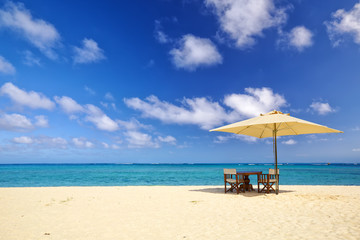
x=179, y=212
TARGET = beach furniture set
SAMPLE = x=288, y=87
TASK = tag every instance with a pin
x=239, y=181
x=274, y=124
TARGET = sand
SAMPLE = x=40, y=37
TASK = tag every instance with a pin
x=181, y=212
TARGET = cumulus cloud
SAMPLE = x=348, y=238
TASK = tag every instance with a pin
x=159, y=34
x=289, y=142
x=206, y=113
x=89, y=52
x=41, y=34
x=322, y=108
x=89, y=90
x=30, y=99
x=245, y=20
x=132, y=124
x=108, y=96
x=168, y=139
x=107, y=105
x=244, y=138
x=140, y=140
x=30, y=59
x=100, y=119
x=193, y=52
x=56, y=142
x=91, y=113
x=108, y=146
x=6, y=67
x=344, y=23
x=42, y=141
x=68, y=105
x=105, y=145
x=114, y=146
x=15, y=122
x=255, y=101
x=298, y=38
x=41, y=121
x=23, y=140
x=198, y=111
x=82, y=143
x=18, y=122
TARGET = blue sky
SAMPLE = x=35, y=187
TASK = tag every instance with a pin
x=144, y=81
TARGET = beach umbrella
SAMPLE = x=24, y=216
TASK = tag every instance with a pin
x=274, y=124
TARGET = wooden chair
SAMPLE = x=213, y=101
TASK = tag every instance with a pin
x=268, y=181
x=236, y=181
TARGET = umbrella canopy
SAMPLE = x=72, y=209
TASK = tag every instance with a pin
x=273, y=124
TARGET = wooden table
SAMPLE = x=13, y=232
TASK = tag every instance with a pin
x=246, y=174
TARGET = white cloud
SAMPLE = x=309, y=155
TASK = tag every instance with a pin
x=30, y=59
x=255, y=101
x=15, y=122
x=357, y=128
x=194, y=52
x=322, y=108
x=54, y=142
x=289, y=142
x=105, y=145
x=89, y=90
x=107, y=105
x=299, y=38
x=42, y=141
x=198, y=111
x=92, y=113
x=206, y=113
x=30, y=99
x=6, y=67
x=356, y=150
x=222, y=139
x=159, y=34
x=132, y=124
x=99, y=119
x=41, y=121
x=88, y=53
x=23, y=139
x=140, y=140
x=114, y=146
x=82, y=143
x=168, y=139
x=108, y=96
x=38, y=32
x=344, y=23
x=244, y=20
x=68, y=105
x=244, y=138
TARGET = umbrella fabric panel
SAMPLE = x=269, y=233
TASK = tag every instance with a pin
x=264, y=125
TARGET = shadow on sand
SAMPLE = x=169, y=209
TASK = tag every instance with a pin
x=219, y=190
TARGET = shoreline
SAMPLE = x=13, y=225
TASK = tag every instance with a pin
x=179, y=212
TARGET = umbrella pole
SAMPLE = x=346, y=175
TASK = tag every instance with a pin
x=276, y=165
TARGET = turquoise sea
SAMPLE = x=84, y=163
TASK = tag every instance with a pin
x=41, y=175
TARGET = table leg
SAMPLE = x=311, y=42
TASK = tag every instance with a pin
x=247, y=181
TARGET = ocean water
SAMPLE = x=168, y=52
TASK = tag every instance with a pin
x=41, y=175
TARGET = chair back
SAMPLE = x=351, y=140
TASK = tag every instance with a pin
x=272, y=171
x=229, y=171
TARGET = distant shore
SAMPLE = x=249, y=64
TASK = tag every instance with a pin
x=179, y=212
